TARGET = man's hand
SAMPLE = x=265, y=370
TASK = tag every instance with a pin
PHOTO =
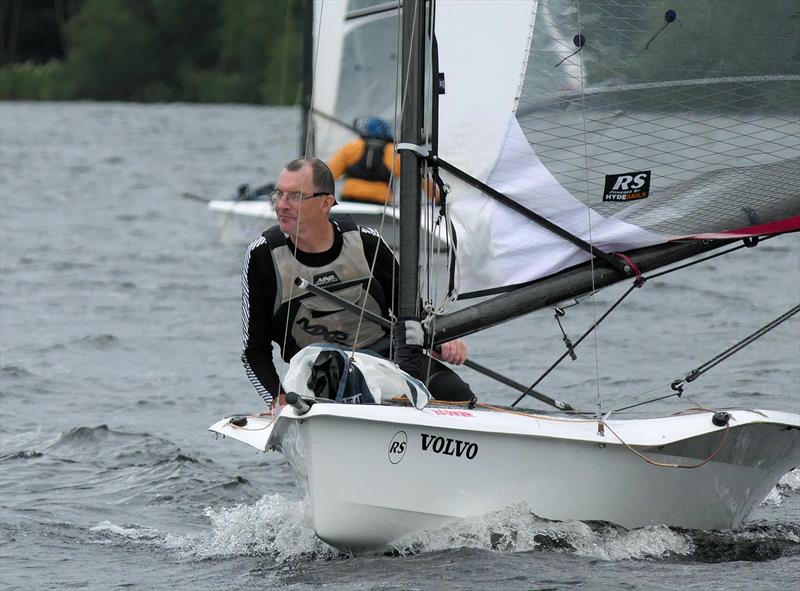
x=454, y=352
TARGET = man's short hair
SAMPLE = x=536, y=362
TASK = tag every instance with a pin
x=321, y=175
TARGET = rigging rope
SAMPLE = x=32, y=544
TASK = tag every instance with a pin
x=399, y=109
x=574, y=345
x=283, y=367
x=701, y=369
x=638, y=282
x=677, y=385
x=666, y=465
x=580, y=41
x=559, y=312
x=500, y=409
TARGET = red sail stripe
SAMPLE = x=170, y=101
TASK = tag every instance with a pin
x=791, y=224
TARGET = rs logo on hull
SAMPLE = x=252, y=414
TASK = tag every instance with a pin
x=397, y=447
x=449, y=447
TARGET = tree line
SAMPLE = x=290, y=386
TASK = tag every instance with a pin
x=240, y=51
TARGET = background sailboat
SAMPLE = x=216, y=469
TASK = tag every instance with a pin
x=528, y=240
x=349, y=71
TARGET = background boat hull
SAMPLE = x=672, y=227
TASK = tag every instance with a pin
x=242, y=221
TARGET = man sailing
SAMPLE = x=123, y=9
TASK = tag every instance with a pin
x=334, y=254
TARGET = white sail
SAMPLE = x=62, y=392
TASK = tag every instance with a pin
x=715, y=128
x=355, y=68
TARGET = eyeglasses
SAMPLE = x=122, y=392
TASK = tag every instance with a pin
x=294, y=197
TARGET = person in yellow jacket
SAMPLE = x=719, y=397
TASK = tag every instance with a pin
x=367, y=163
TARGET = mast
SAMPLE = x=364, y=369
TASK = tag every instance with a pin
x=413, y=29
x=307, y=78
x=408, y=335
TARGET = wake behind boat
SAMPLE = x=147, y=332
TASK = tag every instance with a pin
x=582, y=148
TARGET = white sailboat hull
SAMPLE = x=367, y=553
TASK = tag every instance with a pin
x=249, y=218
x=455, y=466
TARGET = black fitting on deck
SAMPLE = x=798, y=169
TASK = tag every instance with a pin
x=721, y=418
x=301, y=406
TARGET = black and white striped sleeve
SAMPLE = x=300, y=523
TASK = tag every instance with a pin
x=258, y=295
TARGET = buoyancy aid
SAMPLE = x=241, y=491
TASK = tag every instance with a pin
x=371, y=165
x=314, y=318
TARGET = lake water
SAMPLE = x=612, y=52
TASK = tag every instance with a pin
x=120, y=343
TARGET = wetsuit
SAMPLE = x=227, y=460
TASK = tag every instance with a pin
x=271, y=303
x=367, y=165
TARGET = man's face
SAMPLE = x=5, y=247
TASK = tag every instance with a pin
x=308, y=213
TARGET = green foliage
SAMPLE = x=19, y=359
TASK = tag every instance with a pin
x=114, y=53
x=281, y=82
x=165, y=50
x=187, y=38
x=261, y=40
x=25, y=81
x=209, y=86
